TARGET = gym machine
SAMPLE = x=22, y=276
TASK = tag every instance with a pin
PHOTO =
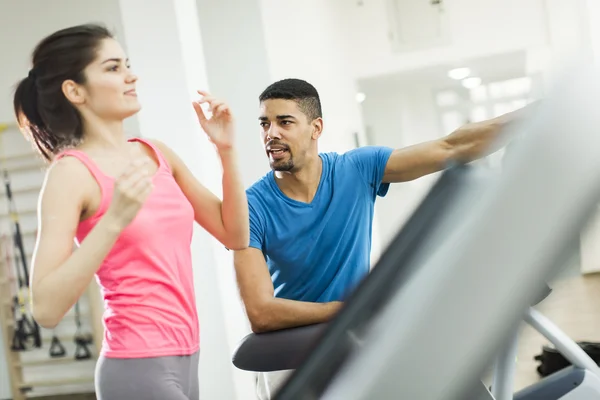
x=459, y=278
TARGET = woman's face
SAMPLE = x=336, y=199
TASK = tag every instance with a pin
x=109, y=91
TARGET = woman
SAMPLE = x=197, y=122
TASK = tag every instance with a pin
x=130, y=204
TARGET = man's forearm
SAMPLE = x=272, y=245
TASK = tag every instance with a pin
x=276, y=314
x=475, y=140
x=480, y=139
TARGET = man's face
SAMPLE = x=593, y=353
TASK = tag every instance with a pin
x=286, y=133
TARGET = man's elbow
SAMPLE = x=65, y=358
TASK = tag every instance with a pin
x=260, y=319
x=240, y=242
x=237, y=246
x=260, y=326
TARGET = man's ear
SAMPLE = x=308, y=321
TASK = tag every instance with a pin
x=317, y=125
x=73, y=91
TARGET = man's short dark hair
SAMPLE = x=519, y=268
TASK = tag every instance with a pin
x=302, y=92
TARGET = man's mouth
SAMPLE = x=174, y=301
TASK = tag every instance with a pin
x=277, y=152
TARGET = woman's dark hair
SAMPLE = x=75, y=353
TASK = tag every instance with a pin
x=46, y=116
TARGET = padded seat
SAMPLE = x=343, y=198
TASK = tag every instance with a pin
x=277, y=350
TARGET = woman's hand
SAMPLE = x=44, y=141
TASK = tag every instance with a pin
x=220, y=127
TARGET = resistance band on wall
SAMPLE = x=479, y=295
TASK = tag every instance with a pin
x=82, y=340
x=25, y=326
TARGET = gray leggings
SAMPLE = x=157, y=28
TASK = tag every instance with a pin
x=159, y=378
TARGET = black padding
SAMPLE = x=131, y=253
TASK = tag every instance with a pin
x=276, y=351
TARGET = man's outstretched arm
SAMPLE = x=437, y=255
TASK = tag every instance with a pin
x=264, y=310
x=468, y=143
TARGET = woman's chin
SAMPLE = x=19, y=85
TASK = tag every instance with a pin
x=131, y=111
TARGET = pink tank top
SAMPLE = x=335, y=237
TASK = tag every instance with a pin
x=146, y=280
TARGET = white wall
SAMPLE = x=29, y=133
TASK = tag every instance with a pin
x=570, y=38
x=593, y=25
x=476, y=28
x=40, y=19
x=316, y=50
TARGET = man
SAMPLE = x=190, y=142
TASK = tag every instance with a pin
x=311, y=216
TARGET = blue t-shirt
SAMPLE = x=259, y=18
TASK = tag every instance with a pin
x=320, y=251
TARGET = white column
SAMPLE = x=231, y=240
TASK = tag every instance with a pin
x=590, y=237
x=164, y=44
x=238, y=71
x=593, y=15
x=568, y=41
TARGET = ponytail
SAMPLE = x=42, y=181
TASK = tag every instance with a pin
x=29, y=119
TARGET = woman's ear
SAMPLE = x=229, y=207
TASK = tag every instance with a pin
x=73, y=92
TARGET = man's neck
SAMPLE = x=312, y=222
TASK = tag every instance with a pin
x=301, y=185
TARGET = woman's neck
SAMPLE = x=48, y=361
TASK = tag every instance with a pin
x=104, y=136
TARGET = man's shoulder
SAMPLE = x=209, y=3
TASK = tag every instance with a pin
x=332, y=157
x=341, y=157
x=260, y=185
x=260, y=193
x=340, y=160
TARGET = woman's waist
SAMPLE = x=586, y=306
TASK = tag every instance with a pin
x=161, y=320
x=141, y=333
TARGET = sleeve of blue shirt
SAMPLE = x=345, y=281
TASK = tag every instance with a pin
x=370, y=162
x=256, y=228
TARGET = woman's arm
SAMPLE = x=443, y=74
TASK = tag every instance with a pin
x=234, y=208
x=226, y=220
x=60, y=275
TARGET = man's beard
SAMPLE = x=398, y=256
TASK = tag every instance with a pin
x=282, y=165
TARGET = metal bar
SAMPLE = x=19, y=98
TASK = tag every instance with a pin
x=504, y=370
x=563, y=343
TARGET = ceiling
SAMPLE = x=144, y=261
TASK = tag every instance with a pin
x=497, y=67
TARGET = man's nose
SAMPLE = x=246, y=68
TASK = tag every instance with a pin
x=273, y=133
